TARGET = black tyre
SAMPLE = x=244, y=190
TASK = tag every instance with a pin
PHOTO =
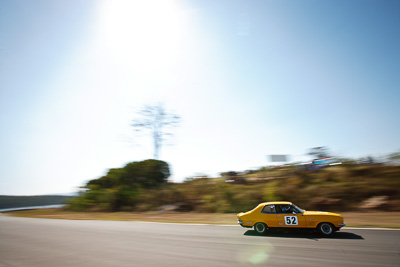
x=325, y=229
x=260, y=228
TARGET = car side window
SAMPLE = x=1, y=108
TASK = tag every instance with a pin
x=278, y=209
x=283, y=209
x=268, y=209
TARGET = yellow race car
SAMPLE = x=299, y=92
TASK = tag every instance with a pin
x=286, y=215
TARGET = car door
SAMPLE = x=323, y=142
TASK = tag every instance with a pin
x=286, y=218
x=268, y=216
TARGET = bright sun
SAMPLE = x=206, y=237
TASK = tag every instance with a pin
x=144, y=34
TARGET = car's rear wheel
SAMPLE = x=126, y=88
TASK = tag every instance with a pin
x=326, y=229
x=260, y=227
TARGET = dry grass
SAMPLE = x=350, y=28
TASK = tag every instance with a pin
x=380, y=219
x=374, y=219
x=172, y=217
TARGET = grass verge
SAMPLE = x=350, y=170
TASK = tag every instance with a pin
x=352, y=219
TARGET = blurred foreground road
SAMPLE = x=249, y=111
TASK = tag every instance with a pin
x=48, y=242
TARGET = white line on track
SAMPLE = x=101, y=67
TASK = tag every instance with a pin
x=370, y=228
x=232, y=225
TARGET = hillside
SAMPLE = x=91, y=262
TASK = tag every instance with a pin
x=340, y=188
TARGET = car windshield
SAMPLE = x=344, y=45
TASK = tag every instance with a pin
x=297, y=209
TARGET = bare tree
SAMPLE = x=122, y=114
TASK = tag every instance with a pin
x=157, y=121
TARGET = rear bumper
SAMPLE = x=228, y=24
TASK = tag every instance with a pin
x=241, y=224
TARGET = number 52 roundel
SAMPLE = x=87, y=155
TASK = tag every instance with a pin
x=291, y=220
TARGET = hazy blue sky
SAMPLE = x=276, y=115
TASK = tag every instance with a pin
x=249, y=78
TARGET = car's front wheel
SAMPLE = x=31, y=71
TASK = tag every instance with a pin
x=260, y=227
x=326, y=229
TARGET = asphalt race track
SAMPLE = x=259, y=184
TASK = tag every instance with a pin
x=47, y=242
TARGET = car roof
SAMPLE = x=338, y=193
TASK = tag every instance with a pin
x=276, y=203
